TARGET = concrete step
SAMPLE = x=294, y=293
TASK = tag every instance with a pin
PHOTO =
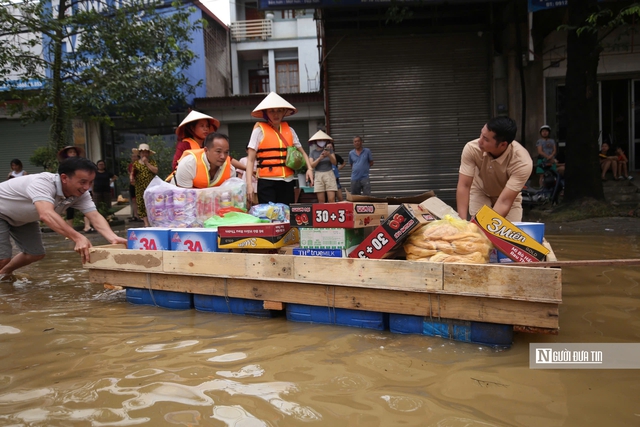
x=622, y=192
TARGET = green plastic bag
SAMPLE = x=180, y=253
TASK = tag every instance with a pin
x=295, y=159
x=233, y=218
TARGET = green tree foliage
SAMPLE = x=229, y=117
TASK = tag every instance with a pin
x=98, y=59
x=590, y=23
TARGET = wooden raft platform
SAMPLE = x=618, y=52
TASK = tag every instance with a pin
x=526, y=297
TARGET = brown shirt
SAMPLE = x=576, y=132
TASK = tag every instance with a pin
x=490, y=176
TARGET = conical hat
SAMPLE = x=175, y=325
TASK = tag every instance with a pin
x=63, y=153
x=194, y=116
x=320, y=136
x=273, y=100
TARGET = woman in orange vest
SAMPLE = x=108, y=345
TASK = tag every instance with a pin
x=268, y=145
x=192, y=132
x=205, y=167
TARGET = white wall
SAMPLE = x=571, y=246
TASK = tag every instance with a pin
x=555, y=48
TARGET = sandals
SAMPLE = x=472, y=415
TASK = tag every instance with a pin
x=90, y=230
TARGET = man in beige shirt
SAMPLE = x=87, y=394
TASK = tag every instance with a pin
x=493, y=170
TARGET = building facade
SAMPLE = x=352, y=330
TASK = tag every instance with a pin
x=271, y=51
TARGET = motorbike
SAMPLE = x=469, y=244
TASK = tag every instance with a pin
x=549, y=194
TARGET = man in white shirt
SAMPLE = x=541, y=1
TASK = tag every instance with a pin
x=44, y=197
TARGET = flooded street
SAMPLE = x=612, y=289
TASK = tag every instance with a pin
x=75, y=354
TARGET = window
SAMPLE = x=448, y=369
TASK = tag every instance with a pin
x=259, y=81
x=288, y=14
x=287, y=77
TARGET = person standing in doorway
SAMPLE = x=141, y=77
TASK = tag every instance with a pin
x=132, y=187
x=144, y=170
x=102, y=187
x=360, y=160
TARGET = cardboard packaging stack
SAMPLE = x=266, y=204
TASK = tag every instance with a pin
x=267, y=236
x=392, y=232
x=334, y=229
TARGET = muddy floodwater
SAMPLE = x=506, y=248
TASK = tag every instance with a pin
x=75, y=354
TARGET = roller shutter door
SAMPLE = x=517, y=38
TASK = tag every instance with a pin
x=20, y=141
x=416, y=99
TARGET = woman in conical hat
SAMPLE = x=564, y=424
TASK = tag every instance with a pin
x=322, y=161
x=192, y=132
x=70, y=151
x=268, y=145
x=142, y=173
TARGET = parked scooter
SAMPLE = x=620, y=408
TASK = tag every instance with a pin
x=548, y=194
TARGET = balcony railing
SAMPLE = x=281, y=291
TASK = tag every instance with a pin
x=255, y=29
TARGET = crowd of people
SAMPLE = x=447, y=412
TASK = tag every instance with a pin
x=493, y=170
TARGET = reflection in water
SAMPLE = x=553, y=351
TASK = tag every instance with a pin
x=75, y=354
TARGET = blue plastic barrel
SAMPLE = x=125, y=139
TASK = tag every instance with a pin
x=166, y=299
x=239, y=306
x=337, y=316
x=491, y=334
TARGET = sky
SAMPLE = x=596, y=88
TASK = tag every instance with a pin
x=219, y=7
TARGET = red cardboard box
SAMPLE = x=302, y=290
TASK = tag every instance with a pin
x=509, y=239
x=392, y=232
x=338, y=215
x=257, y=236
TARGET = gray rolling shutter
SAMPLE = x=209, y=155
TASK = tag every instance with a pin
x=20, y=141
x=416, y=99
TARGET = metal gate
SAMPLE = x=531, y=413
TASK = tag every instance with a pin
x=20, y=141
x=416, y=100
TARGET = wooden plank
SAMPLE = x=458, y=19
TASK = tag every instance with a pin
x=551, y=256
x=384, y=274
x=493, y=310
x=125, y=259
x=273, y=267
x=272, y=305
x=534, y=330
x=632, y=262
x=204, y=263
x=540, y=284
x=487, y=280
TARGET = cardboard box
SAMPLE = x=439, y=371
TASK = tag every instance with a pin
x=392, y=232
x=149, y=239
x=438, y=208
x=331, y=238
x=330, y=253
x=338, y=215
x=257, y=236
x=509, y=239
x=194, y=239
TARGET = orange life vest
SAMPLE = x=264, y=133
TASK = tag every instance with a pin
x=272, y=151
x=194, y=145
x=201, y=179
